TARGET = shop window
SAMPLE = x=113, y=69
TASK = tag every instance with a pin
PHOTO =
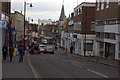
x=89, y=45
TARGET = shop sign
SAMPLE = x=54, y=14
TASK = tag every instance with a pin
x=3, y=24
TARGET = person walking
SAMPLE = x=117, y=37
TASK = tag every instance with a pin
x=11, y=52
x=71, y=49
x=58, y=49
x=4, y=52
x=32, y=49
x=20, y=52
x=66, y=50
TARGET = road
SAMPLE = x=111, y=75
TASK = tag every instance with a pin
x=67, y=66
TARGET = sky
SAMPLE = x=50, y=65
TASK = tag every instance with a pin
x=45, y=9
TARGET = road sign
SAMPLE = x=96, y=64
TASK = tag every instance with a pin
x=3, y=24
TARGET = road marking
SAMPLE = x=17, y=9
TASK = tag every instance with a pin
x=97, y=73
x=76, y=65
x=33, y=70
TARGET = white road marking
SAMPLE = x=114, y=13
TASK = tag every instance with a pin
x=33, y=70
x=76, y=65
x=98, y=73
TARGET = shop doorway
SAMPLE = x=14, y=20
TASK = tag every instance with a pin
x=110, y=50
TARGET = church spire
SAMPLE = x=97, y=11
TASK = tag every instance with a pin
x=62, y=16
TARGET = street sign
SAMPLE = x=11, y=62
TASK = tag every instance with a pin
x=3, y=24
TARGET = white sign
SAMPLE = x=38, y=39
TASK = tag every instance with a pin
x=3, y=24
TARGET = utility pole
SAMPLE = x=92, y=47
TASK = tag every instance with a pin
x=24, y=24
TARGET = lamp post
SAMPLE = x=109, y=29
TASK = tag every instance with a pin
x=85, y=15
x=24, y=19
x=29, y=30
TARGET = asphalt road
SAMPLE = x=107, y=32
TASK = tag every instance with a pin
x=66, y=66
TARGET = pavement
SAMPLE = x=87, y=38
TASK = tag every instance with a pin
x=15, y=69
x=101, y=60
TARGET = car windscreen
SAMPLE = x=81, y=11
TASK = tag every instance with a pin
x=49, y=47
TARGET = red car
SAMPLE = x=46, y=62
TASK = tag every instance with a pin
x=36, y=48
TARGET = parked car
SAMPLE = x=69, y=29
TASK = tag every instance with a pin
x=42, y=48
x=49, y=49
x=36, y=48
x=44, y=41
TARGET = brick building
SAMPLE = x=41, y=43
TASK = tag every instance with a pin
x=84, y=29
x=18, y=23
x=107, y=29
x=51, y=31
x=5, y=9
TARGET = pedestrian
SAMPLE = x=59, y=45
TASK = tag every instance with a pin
x=11, y=52
x=32, y=49
x=66, y=50
x=20, y=52
x=4, y=52
x=58, y=49
x=71, y=49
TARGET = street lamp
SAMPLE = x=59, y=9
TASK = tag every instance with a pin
x=24, y=19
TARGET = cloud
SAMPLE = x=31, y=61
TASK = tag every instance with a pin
x=45, y=9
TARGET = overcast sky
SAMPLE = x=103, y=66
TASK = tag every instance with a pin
x=46, y=9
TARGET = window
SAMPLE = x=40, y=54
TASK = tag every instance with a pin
x=118, y=2
x=77, y=26
x=102, y=4
x=74, y=13
x=118, y=21
x=100, y=23
x=80, y=10
x=89, y=45
x=112, y=36
x=98, y=5
x=107, y=4
x=114, y=21
x=77, y=11
x=107, y=35
x=101, y=35
x=98, y=35
x=92, y=26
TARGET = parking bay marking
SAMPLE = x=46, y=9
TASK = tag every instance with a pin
x=97, y=73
